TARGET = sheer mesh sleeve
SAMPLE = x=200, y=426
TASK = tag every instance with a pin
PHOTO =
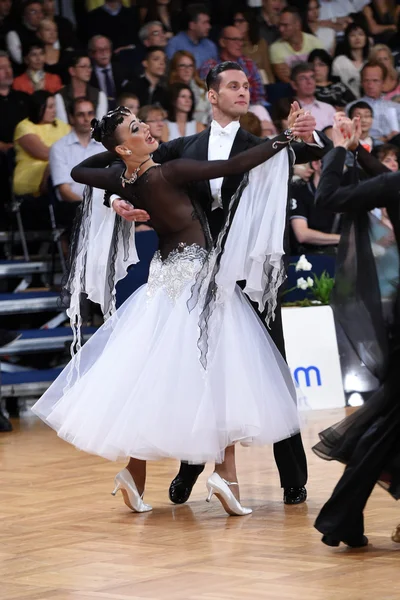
x=371, y=165
x=92, y=172
x=182, y=171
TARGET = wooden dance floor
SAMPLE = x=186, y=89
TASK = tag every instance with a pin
x=64, y=537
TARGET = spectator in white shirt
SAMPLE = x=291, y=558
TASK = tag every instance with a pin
x=386, y=123
x=355, y=50
x=304, y=85
x=67, y=153
x=80, y=72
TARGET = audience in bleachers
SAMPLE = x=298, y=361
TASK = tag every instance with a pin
x=269, y=19
x=107, y=74
x=180, y=121
x=80, y=73
x=150, y=86
x=154, y=116
x=24, y=34
x=165, y=11
x=5, y=10
x=364, y=112
x=67, y=152
x=116, y=22
x=293, y=46
x=35, y=77
x=313, y=229
x=391, y=84
x=182, y=69
x=121, y=58
x=329, y=88
x=231, y=48
x=386, y=121
x=195, y=38
x=388, y=154
x=33, y=139
x=303, y=82
x=354, y=54
x=254, y=46
x=312, y=24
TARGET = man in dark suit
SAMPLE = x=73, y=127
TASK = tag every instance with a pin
x=107, y=76
x=229, y=95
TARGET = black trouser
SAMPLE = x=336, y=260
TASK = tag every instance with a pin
x=289, y=454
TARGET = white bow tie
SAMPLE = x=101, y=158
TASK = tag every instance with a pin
x=230, y=130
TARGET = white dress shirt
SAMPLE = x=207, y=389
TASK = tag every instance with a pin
x=66, y=154
x=219, y=148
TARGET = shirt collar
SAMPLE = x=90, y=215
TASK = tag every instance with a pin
x=72, y=139
x=111, y=12
x=230, y=130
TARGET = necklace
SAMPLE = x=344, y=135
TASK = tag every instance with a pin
x=134, y=175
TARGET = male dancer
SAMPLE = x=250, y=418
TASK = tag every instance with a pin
x=228, y=93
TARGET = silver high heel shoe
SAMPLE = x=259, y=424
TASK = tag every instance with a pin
x=220, y=487
x=124, y=482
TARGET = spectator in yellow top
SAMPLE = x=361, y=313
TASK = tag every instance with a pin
x=294, y=45
x=33, y=139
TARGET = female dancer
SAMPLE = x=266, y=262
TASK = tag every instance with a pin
x=366, y=303
x=138, y=388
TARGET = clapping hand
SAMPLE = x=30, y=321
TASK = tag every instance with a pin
x=346, y=132
x=301, y=123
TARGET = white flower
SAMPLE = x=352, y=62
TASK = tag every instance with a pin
x=310, y=281
x=302, y=283
x=303, y=264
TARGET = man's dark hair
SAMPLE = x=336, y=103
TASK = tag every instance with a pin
x=29, y=2
x=213, y=78
x=292, y=10
x=76, y=57
x=360, y=104
x=152, y=49
x=26, y=49
x=72, y=106
x=299, y=68
x=124, y=95
x=37, y=106
x=192, y=13
x=373, y=64
x=381, y=151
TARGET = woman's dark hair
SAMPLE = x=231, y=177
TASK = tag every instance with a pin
x=254, y=24
x=324, y=57
x=345, y=47
x=105, y=131
x=174, y=90
x=37, y=106
x=304, y=15
x=27, y=48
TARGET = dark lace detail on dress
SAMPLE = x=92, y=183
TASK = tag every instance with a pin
x=207, y=277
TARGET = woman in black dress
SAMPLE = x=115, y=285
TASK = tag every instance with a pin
x=169, y=374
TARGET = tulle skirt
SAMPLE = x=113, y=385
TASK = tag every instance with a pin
x=137, y=387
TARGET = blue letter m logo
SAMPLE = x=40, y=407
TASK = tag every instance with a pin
x=307, y=375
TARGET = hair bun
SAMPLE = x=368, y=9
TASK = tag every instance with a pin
x=96, y=130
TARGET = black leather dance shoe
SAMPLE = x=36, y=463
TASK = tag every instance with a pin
x=356, y=542
x=5, y=424
x=294, y=495
x=181, y=487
